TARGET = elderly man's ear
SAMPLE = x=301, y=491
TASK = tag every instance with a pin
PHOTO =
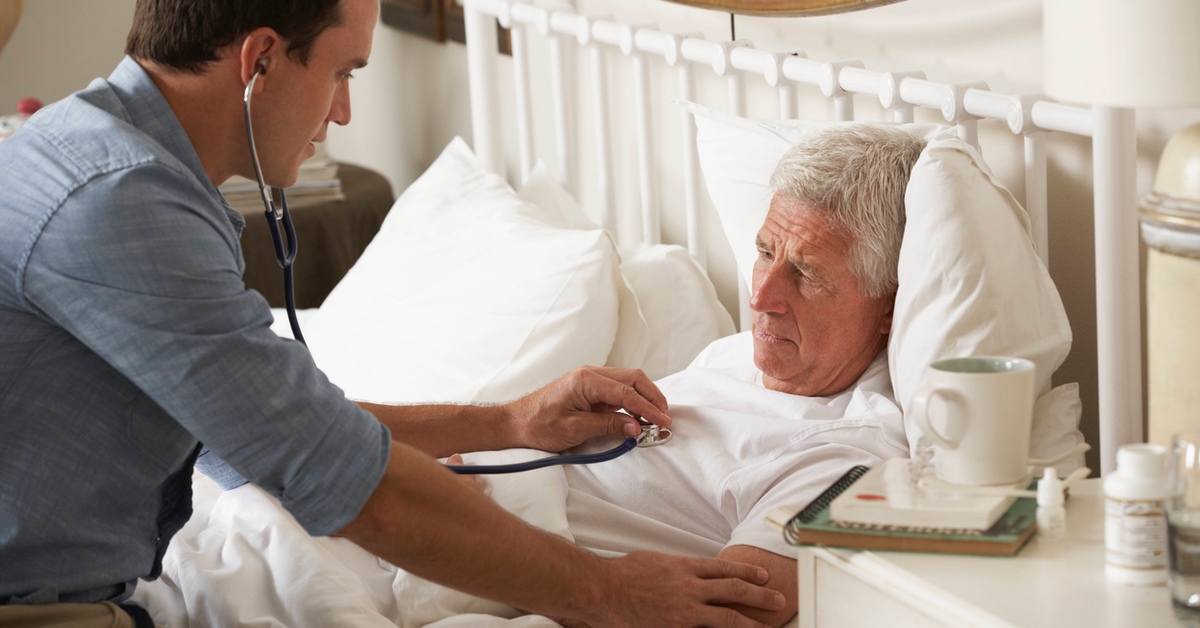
x=885, y=325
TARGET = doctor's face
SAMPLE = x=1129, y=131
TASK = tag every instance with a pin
x=814, y=332
x=300, y=100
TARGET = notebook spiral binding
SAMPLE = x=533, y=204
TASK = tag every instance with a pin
x=822, y=501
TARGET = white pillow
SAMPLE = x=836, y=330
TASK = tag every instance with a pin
x=463, y=296
x=738, y=155
x=676, y=311
x=547, y=199
x=679, y=303
x=972, y=284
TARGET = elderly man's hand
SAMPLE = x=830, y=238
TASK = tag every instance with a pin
x=584, y=404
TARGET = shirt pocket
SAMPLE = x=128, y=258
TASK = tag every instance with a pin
x=156, y=434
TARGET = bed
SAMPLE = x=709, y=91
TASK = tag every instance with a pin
x=563, y=256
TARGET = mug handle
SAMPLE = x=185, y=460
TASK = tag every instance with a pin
x=920, y=411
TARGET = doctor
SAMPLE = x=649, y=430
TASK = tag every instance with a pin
x=127, y=338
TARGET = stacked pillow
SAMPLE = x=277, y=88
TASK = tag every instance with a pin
x=676, y=303
x=473, y=292
x=465, y=295
x=970, y=282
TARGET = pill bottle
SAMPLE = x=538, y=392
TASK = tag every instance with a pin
x=1135, y=523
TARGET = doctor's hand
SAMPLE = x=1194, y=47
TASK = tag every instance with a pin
x=654, y=589
x=584, y=404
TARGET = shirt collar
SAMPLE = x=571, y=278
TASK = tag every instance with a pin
x=149, y=111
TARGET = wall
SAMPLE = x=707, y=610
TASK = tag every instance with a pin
x=59, y=46
x=412, y=99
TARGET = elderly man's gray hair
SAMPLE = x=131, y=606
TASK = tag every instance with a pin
x=856, y=174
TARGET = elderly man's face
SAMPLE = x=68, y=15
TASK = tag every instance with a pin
x=814, y=332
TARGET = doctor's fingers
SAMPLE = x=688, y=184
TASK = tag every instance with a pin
x=630, y=389
x=684, y=591
x=731, y=582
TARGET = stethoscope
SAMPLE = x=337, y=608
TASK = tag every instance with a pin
x=652, y=435
x=275, y=217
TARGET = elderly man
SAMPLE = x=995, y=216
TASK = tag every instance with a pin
x=772, y=417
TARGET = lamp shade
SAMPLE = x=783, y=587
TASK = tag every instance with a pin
x=1123, y=53
x=10, y=12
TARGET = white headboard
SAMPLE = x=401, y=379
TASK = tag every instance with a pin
x=598, y=45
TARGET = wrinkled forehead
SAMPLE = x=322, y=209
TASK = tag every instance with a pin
x=789, y=218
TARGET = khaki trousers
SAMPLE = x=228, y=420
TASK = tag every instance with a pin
x=102, y=615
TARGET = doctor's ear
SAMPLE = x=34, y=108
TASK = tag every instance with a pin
x=255, y=53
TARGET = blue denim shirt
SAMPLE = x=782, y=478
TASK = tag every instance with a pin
x=127, y=337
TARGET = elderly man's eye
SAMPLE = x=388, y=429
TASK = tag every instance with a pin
x=807, y=278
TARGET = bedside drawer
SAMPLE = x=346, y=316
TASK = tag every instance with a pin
x=849, y=588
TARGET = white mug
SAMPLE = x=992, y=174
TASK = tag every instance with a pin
x=981, y=429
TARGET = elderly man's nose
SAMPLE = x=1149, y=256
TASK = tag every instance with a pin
x=767, y=295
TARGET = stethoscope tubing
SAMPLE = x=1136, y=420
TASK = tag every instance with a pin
x=276, y=216
x=626, y=446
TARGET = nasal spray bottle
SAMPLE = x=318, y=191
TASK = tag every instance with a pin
x=1135, y=524
x=1051, y=514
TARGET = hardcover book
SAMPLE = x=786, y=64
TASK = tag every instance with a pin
x=813, y=526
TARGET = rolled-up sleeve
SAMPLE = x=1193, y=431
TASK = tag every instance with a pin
x=218, y=470
x=145, y=269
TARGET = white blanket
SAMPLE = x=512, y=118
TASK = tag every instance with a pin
x=242, y=560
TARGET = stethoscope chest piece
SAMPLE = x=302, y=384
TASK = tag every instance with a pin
x=653, y=435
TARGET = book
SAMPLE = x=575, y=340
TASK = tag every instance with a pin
x=317, y=181
x=812, y=526
x=887, y=495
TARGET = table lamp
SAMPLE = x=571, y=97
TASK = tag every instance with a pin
x=1136, y=54
x=10, y=12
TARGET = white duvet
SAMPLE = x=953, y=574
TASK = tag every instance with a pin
x=242, y=560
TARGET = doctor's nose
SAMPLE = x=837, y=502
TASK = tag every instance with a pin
x=339, y=109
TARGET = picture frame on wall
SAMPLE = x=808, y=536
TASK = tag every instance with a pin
x=438, y=20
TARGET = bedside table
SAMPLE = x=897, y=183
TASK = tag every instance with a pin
x=1057, y=585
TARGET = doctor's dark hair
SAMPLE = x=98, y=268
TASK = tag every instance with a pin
x=187, y=35
x=856, y=174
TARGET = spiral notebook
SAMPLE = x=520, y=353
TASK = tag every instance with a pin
x=887, y=495
x=812, y=526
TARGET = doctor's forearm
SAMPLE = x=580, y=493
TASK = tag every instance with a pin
x=423, y=519
x=443, y=429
